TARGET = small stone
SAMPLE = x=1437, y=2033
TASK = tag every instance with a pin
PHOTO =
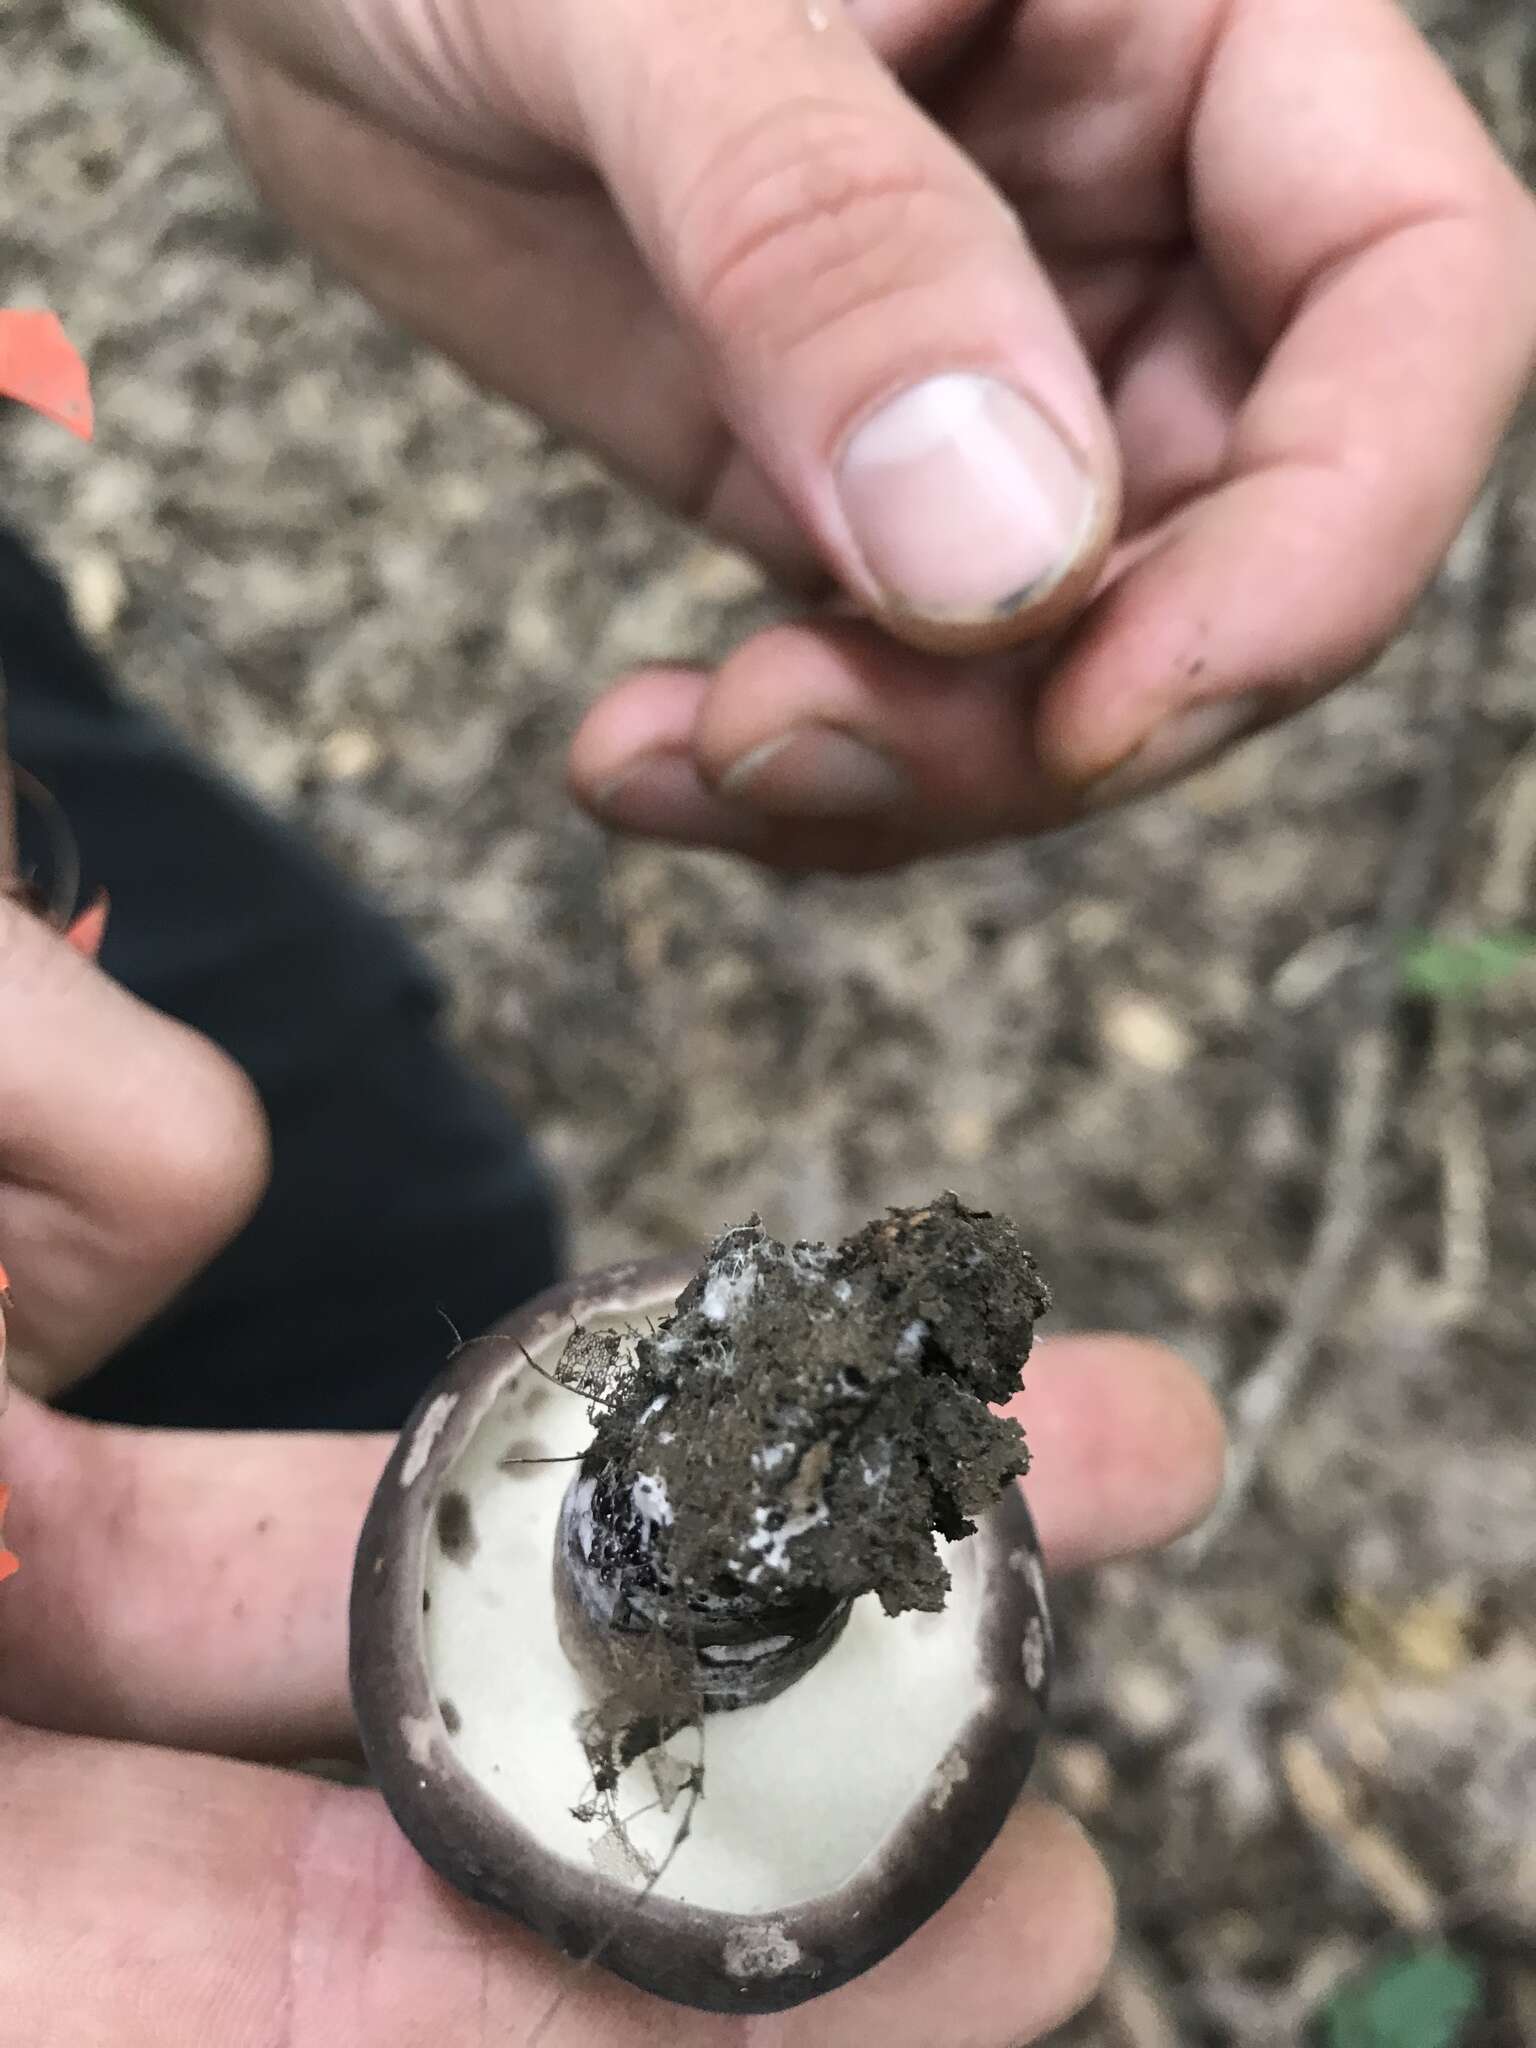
x=1146, y=1702
x=349, y=753
x=1139, y=1030
x=1083, y=1777
x=1230, y=1941
x=1034, y=1653
x=967, y=1136
x=98, y=591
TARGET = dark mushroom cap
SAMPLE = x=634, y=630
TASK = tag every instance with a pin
x=832, y=1822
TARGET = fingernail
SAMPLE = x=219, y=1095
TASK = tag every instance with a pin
x=815, y=771
x=1185, y=741
x=964, y=500
x=661, y=796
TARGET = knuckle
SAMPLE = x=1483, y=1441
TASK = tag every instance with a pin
x=805, y=216
x=212, y=1159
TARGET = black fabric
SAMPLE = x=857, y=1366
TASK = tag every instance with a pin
x=402, y=1190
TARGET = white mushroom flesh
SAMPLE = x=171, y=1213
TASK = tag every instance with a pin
x=798, y=1794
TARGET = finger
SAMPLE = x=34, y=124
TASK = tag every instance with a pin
x=171, y=1901
x=1180, y=385
x=1382, y=258
x=182, y=1587
x=1389, y=282
x=817, y=746
x=130, y=1151
x=1127, y=1447
x=876, y=329
x=1014, y=1954
x=192, y=1589
x=633, y=764
x=824, y=746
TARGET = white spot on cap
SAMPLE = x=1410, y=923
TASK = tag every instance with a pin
x=761, y=1951
x=428, y=1430
x=953, y=1771
x=1034, y=1653
x=1027, y=1564
x=418, y=1730
x=1036, y=1578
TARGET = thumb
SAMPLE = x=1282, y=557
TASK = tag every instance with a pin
x=879, y=333
x=130, y=1151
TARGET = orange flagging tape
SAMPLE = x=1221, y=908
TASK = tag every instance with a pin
x=90, y=927
x=39, y=367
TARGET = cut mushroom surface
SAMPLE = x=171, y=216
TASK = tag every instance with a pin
x=754, y=1858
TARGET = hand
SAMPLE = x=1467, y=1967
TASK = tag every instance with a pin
x=1274, y=294
x=188, y=1593
x=131, y=1150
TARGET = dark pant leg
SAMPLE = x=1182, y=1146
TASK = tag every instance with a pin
x=402, y=1192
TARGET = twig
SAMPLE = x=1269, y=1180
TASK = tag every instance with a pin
x=1465, y=1176
x=1368, y=1064
x=1397, y=1884
x=1506, y=888
x=1136, y=2003
x=1366, y=1076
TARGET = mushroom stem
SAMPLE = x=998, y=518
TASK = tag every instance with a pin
x=634, y=1637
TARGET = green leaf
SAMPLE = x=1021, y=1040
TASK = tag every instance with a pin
x=1457, y=970
x=1423, y=2000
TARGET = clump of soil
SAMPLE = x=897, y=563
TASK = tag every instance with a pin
x=810, y=1418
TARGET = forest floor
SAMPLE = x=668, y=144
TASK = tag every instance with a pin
x=1179, y=1048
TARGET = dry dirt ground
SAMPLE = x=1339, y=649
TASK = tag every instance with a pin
x=1177, y=1048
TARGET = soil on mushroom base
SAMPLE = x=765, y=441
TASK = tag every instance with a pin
x=811, y=1417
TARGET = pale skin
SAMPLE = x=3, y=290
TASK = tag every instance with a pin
x=179, y=1620
x=1257, y=261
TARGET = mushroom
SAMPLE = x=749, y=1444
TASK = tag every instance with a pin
x=697, y=1619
